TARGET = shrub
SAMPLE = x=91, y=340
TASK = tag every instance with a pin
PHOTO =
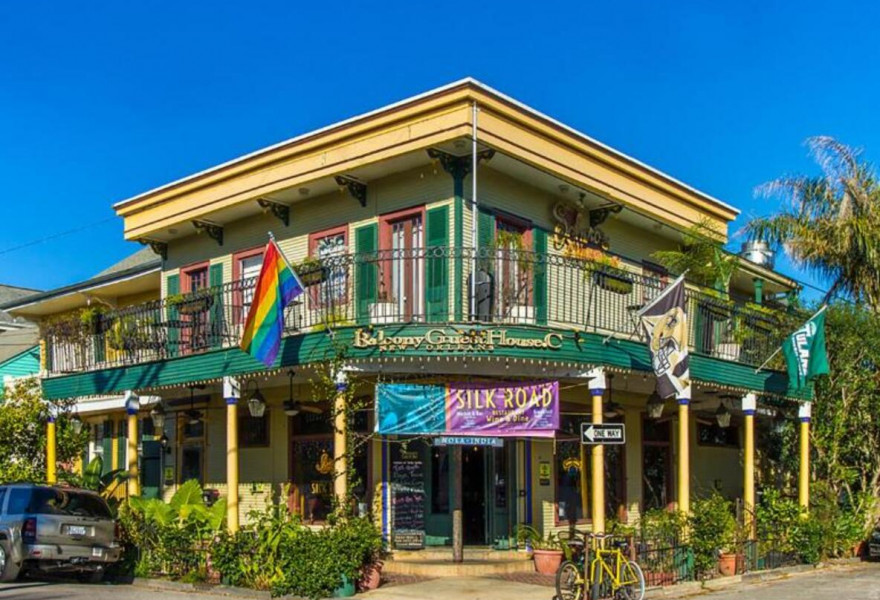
x=280, y=554
x=712, y=530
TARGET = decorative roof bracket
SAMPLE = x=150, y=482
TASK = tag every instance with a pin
x=279, y=211
x=356, y=187
x=458, y=166
x=214, y=231
x=160, y=248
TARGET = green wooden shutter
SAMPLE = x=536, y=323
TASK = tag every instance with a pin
x=366, y=241
x=437, y=267
x=216, y=326
x=107, y=447
x=539, y=241
x=486, y=239
x=121, y=444
x=172, y=288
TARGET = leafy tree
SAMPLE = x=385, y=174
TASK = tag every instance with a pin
x=23, y=417
x=701, y=254
x=845, y=433
x=830, y=223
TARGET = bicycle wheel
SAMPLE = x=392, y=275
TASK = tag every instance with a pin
x=567, y=585
x=635, y=586
x=600, y=582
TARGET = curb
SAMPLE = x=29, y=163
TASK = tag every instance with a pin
x=228, y=591
x=690, y=588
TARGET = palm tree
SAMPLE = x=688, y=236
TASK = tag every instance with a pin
x=830, y=223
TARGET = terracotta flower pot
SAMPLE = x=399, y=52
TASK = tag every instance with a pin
x=727, y=563
x=371, y=577
x=547, y=561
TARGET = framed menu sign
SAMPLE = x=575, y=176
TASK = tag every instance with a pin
x=407, y=499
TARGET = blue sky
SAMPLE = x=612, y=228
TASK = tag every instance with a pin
x=103, y=100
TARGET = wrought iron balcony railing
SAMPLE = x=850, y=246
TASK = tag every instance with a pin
x=433, y=285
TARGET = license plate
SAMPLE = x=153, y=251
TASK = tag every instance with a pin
x=76, y=530
x=97, y=552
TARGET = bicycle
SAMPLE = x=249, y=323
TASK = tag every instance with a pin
x=611, y=573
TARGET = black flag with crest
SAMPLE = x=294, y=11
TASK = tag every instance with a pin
x=664, y=321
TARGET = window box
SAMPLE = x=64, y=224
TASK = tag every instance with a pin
x=613, y=282
x=191, y=305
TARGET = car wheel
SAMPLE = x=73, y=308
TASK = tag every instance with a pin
x=8, y=569
x=91, y=576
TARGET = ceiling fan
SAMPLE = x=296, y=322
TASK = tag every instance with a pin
x=294, y=407
x=193, y=416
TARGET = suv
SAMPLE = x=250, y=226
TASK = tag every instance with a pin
x=51, y=528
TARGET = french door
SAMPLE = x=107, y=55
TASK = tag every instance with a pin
x=406, y=277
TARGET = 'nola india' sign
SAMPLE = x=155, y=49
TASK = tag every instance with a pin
x=453, y=340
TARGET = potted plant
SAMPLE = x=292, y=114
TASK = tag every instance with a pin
x=613, y=280
x=191, y=304
x=311, y=271
x=546, y=551
x=702, y=256
x=713, y=535
x=91, y=318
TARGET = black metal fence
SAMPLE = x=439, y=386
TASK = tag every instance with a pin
x=426, y=285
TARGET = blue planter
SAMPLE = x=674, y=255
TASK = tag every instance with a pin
x=346, y=590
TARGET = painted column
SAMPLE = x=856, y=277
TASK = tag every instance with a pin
x=749, y=405
x=231, y=393
x=804, y=414
x=340, y=433
x=684, y=463
x=51, y=459
x=457, y=512
x=132, y=406
x=597, y=391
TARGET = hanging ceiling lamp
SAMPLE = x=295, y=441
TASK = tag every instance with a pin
x=612, y=408
x=76, y=424
x=655, y=406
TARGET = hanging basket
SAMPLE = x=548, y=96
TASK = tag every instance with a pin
x=192, y=306
x=613, y=282
x=314, y=276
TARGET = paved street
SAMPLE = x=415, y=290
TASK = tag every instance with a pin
x=860, y=582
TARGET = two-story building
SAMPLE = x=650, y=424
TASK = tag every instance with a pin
x=455, y=237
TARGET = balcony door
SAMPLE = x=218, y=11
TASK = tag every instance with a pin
x=194, y=316
x=402, y=295
x=512, y=270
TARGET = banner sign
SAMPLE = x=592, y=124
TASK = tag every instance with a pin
x=505, y=409
x=468, y=440
x=665, y=324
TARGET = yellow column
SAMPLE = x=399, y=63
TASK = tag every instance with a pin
x=340, y=481
x=51, y=466
x=597, y=390
x=134, y=487
x=684, y=465
x=749, y=405
x=804, y=414
x=232, y=464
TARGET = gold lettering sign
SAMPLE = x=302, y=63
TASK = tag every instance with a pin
x=451, y=340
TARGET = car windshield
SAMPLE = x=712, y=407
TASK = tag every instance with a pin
x=50, y=501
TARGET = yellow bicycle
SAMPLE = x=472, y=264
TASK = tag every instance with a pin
x=606, y=572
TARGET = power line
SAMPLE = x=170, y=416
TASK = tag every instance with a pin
x=55, y=236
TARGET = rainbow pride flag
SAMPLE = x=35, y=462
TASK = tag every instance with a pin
x=277, y=286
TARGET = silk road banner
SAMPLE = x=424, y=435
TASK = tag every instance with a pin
x=503, y=409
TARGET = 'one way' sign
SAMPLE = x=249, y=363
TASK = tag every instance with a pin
x=606, y=433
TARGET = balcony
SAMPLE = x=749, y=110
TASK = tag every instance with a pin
x=433, y=285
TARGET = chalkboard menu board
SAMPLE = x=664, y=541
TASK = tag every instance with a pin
x=408, y=499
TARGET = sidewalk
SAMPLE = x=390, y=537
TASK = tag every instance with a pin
x=463, y=588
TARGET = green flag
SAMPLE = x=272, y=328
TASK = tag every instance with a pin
x=805, y=354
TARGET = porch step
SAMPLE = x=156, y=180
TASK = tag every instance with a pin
x=477, y=562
